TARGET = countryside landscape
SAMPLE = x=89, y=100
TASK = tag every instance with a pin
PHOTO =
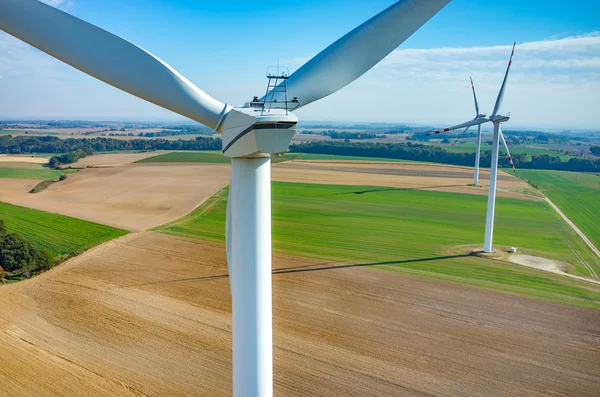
x=343, y=232
x=369, y=269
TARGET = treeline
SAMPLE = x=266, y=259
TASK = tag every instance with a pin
x=354, y=135
x=67, y=158
x=175, y=132
x=435, y=154
x=18, y=257
x=334, y=134
x=595, y=150
x=51, y=144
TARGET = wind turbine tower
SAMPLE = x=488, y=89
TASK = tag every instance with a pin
x=496, y=119
x=250, y=133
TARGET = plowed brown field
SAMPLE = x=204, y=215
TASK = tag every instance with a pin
x=114, y=159
x=135, y=197
x=13, y=190
x=149, y=314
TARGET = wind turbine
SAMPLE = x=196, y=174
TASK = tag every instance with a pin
x=496, y=119
x=478, y=152
x=250, y=134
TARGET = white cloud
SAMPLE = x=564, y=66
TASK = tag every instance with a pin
x=552, y=83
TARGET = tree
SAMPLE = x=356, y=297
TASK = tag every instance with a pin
x=16, y=252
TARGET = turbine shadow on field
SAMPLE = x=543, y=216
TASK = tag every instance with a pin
x=307, y=268
x=391, y=189
x=319, y=267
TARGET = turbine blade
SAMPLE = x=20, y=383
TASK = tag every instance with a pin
x=108, y=58
x=507, y=151
x=461, y=134
x=501, y=93
x=460, y=126
x=358, y=51
x=475, y=98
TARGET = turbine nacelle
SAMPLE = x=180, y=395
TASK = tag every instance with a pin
x=499, y=118
x=249, y=132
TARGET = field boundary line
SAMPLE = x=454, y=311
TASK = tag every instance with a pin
x=575, y=229
x=583, y=261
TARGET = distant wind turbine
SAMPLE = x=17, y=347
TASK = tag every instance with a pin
x=480, y=119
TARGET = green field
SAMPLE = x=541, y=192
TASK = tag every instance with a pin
x=57, y=233
x=577, y=194
x=410, y=231
x=188, y=157
x=468, y=147
x=28, y=171
x=217, y=157
x=312, y=156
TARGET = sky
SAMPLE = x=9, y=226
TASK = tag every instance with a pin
x=225, y=47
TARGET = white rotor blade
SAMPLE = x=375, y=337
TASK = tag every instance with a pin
x=475, y=98
x=358, y=51
x=460, y=126
x=501, y=93
x=507, y=151
x=108, y=58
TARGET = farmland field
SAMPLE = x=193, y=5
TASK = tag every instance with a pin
x=410, y=231
x=27, y=171
x=471, y=146
x=57, y=233
x=217, y=157
x=314, y=156
x=577, y=194
x=188, y=157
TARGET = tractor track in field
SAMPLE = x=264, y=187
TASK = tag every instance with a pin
x=583, y=261
x=586, y=240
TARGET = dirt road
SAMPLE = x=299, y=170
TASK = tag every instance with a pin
x=149, y=314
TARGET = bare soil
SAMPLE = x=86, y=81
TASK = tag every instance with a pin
x=5, y=158
x=16, y=190
x=149, y=314
x=135, y=197
x=114, y=159
x=421, y=176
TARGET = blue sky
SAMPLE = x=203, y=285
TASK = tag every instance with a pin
x=225, y=47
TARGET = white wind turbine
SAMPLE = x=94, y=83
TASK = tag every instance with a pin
x=250, y=134
x=478, y=152
x=480, y=119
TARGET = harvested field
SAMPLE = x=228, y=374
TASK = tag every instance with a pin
x=114, y=159
x=147, y=315
x=130, y=197
x=422, y=176
x=5, y=158
x=15, y=190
